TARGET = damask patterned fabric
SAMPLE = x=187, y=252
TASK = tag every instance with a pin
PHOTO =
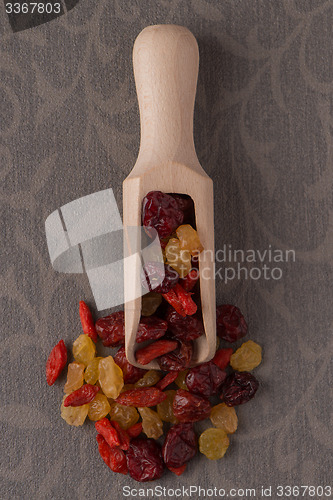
x=263, y=131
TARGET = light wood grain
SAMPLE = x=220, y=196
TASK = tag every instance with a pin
x=166, y=61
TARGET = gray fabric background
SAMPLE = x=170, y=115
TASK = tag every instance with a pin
x=263, y=131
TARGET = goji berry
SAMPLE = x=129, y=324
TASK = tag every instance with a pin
x=135, y=430
x=87, y=322
x=222, y=358
x=56, y=362
x=167, y=380
x=143, y=396
x=109, y=433
x=82, y=396
x=185, y=299
x=155, y=350
x=114, y=458
x=190, y=280
x=122, y=434
x=178, y=470
x=174, y=301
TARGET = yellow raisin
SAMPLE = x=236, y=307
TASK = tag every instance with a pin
x=74, y=377
x=74, y=415
x=189, y=239
x=213, y=443
x=178, y=259
x=126, y=416
x=152, y=425
x=224, y=417
x=180, y=380
x=91, y=373
x=247, y=357
x=110, y=377
x=84, y=349
x=99, y=407
x=165, y=409
x=150, y=378
x=150, y=302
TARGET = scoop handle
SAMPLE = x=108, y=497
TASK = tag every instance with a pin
x=166, y=63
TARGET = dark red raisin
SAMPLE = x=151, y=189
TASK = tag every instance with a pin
x=180, y=445
x=230, y=323
x=144, y=460
x=161, y=212
x=239, y=388
x=111, y=329
x=179, y=359
x=188, y=407
x=184, y=328
x=131, y=373
x=151, y=328
x=158, y=277
x=186, y=205
x=205, y=379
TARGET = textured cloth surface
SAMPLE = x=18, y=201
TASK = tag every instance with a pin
x=263, y=131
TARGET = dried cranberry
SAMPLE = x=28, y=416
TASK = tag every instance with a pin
x=179, y=359
x=222, y=357
x=190, y=280
x=111, y=329
x=144, y=460
x=161, y=212
x=180, y=445
x=186, y=205
x=131, y=373
x=239, y=388
x=151, y=328
x=230, y=323
x=188, y=407
x=188, y=328
x=205, y=379
x=158, y=277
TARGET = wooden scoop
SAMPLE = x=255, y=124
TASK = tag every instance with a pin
x=166, y=61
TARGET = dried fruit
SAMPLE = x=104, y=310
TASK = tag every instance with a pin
x=131, y=373
x=109, y=433
x=167, y=380
x=158, y=277
x=151, y=328
x=165, y=409
x=188, y=407
x=135, y=430
x=180, y=445
x=174, y=301
x=91, y=373
x=84, y=349
x=213, y=443
x=110, y=377
x=152, y=424
x=186, y=300
x=81, y=396
x=224, y=417
x=230, y=323
x=179, y=359
x=189, y=239
x=56, y=362
x=74, y=377
x=188, y=328
x=99, y=407
x=155, y=350
x=161, y=212
x=180, y=380
x=111, y=329
x=178, y=259
x=190, y=280
x=150, y=378
x=178, y=470
x=247, y=357
x=150, y=302
x=222, y=358
x=186, y=205
x=87, y=322
x=143, y=396
x=205, y=379
x=122, y=434
x=74, y=415
x=144, y=460
x=114, y=458
x=239, y=388
x=126, y=416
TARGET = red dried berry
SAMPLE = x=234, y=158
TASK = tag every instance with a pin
x=230, y=323
x=190, y=280
x=167, y=380
x=142, y=396
x=87, y=322
x=188, y=328
x=151, y=328
x=114, y=458
x=180, y=445
x=188, y=407
x=205, y=379
x=122, y=434
x=111, y=329
x=155, y=350
x=185, y=299
x=174, y=301
x=131, y=373
x=108, y=432
x=179, y=359
x=161, y=212
x=222, y=358
x=178, y=470
x=158, y=277
x=82, y=396
x=135, y=430
x=186, y=205
x=56, y=362
x=239, y=388
x=144, y=460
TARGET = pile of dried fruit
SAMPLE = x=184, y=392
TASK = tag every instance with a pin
x=100, y=387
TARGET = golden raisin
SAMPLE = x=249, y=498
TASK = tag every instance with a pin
x=178, y=259
x=180, y=380
x=150, y=302
x=74, y=415
x=213, y=443
x=247, y=357
x=91, y=373
x=152, y=425
x=126, y=416
x=99, y=407
x=165, y=409
x=150, y=378
x=84, y=349
x=74, y=377
x=189, y=239
x=110, y=377
x=224, y=417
